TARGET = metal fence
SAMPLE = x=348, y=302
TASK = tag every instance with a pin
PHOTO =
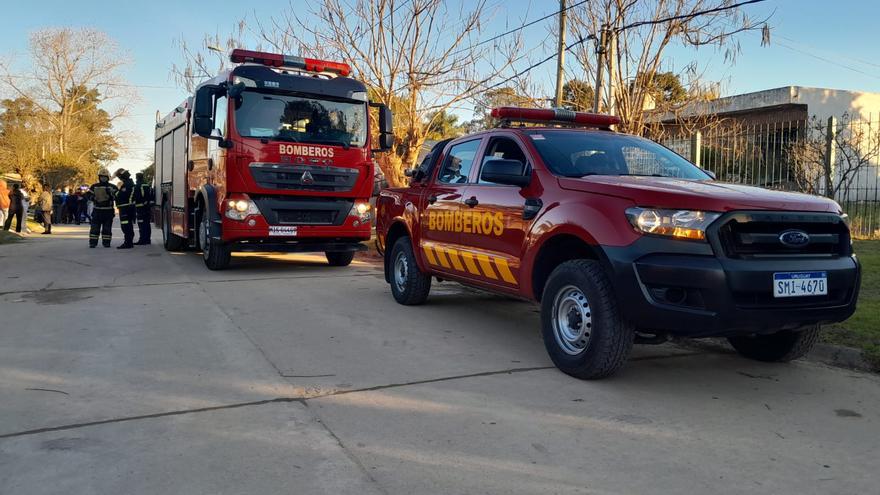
x=837, y=158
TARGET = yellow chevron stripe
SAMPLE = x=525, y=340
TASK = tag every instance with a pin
x=486, y=266
x=453, y=257
x=442, y=258
x=504, y=271
x=430, y=255
x=469, y=263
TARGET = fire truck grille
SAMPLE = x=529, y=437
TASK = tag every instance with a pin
x=762, y=235
x=304, y=177
x=280, y=210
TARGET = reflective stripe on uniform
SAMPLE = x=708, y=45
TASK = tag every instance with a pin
x=103, y=207
x=123, y=222
x=123, y=206
x=139, y=204
x=91, y=236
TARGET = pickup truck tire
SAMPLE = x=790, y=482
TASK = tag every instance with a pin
x=583, y=331
x=339, y=259
x=783, y=346
x=409, y=285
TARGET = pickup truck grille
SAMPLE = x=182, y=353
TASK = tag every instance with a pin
x=758, y=235
x=304, y=177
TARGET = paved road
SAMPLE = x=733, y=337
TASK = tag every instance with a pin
x=143, y=372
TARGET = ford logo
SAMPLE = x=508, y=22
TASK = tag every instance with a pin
x=794, y=238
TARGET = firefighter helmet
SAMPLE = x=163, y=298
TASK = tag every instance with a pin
x=103, y=172
x=121, y=173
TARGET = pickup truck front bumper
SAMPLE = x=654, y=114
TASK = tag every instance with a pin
x=683, y=288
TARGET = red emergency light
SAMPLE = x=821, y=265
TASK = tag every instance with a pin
x=240, y=56
x=554, y=116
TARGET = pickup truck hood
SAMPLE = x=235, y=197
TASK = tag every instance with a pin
x=667, y=192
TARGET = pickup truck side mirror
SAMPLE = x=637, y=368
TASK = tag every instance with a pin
x=415, y=174
x=506, y=172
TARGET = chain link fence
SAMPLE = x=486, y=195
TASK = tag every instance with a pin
x=838, y=158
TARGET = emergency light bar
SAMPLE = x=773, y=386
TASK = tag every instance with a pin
x=554, y=116
x=240, y=56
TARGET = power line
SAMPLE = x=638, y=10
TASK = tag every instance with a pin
x=853, y=59
x=689, y=16
x=520, y=28
x=827, y=60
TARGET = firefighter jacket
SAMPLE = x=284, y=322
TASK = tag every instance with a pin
x=143, y=194
x=125, y=196
x=103, y=194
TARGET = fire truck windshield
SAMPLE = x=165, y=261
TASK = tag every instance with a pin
x=285, y=117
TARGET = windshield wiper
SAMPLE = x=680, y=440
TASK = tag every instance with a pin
x=265, y=140
x=645, y=175
x=331, y=141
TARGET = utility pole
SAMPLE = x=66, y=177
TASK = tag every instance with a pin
x=600, y=67
x=612, y=71
x=560, y=61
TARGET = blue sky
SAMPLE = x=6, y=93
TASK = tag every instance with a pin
x=828, y=45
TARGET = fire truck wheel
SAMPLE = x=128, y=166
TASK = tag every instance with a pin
x=782, y=346
x=216, y=254
x=582, y=328
x=339, y=259
x=170, y=241
x=409, y=285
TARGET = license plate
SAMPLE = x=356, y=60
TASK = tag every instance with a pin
x=282, y=231
x=797, y=284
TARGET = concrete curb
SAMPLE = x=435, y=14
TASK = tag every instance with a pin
x=833, y=355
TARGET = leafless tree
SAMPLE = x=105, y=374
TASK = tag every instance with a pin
x=637, y=53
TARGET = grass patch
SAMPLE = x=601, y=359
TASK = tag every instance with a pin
x=862, y=330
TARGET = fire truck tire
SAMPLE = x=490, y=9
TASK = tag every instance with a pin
x=583, y=330
x=216, y=254
x=339, y=259
x=170, y=241
x=409, y=285
x=783, y=346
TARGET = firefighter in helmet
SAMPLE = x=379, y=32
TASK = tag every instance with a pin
x=143, y=202
x=103, y=195
x=125, y=203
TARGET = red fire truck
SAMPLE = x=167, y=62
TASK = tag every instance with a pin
x=272, y=156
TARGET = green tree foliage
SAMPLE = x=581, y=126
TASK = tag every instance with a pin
x=577, y=95
x=441, y=125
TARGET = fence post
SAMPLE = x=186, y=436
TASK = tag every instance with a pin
x=696, y=147
x=830, y=157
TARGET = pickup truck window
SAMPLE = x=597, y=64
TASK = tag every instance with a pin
x=458, y=163
x=582, y=153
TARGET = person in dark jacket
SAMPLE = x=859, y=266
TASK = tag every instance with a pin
x=143, y=202
x=16, y=208
x=103, y=194
x=45, y=205
x=125, y=203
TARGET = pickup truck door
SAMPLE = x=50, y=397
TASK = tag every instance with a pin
x=495, y=234
x=441, y=208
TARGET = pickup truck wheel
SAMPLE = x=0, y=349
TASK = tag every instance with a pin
x=216, y=254
x=783, y=346
x=409, y=285
x=581, y=325
x=339, y=259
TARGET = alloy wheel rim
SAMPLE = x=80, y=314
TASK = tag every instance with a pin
x=572, y=320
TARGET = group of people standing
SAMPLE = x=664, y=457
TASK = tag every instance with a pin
x=98, y=204
x=134, y=201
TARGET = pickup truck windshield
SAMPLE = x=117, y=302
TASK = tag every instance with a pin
x=301, y=119
x=581, y=153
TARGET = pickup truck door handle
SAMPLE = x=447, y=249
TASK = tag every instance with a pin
x=472, y=201
x=432, y=199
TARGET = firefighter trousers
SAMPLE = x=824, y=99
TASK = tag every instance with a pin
x=126, y=223
x=102, y=223
x=143, y=220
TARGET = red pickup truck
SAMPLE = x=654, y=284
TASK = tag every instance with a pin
x=619, y=239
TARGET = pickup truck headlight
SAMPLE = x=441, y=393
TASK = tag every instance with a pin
x=681, y=224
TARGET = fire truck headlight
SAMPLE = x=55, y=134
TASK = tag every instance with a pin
x=239, y=209
x=361, y=210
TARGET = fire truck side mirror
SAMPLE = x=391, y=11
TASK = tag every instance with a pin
x=203, y=111
x=386, y=128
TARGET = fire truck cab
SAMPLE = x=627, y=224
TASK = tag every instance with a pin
x=273, y=155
